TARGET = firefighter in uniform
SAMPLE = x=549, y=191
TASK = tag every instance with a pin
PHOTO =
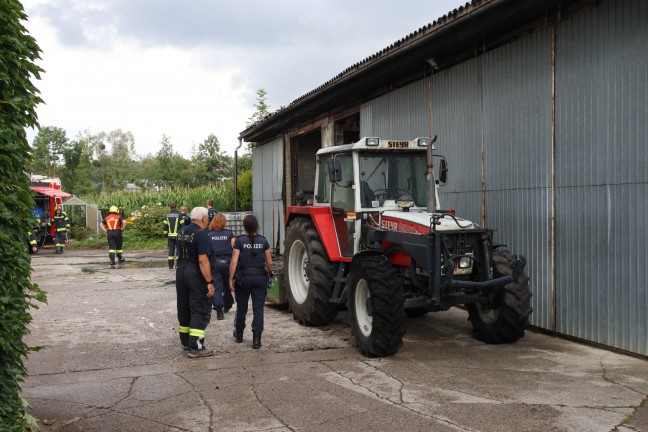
x=171, y=225
x=186, y=220
x=222, y=241
x=250, y=272
x=30, y=241
x=60, y=220
x=113, y=225
x=211, y=211
x=194, y=285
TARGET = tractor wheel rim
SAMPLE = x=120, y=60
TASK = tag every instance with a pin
x=298, y=272
x=488, y=316
x=363, y=313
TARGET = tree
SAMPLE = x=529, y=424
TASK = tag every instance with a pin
x=76, y=174
x=210, y=163
x=18, y=100
x=245, y=190
x=245, y=162
x=113, y=157
x=48, y=147
x=122, y=154
x=166, y=169
x=262, y=108
x=165, y=158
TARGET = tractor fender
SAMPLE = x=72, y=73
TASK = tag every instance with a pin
x=322, y=218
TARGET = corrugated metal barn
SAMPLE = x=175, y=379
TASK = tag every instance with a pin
x=541, y=108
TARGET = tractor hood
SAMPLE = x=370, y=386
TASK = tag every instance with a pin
x=420, y=222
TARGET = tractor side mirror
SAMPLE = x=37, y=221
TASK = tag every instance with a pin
x=335, y=170
x=443, y=171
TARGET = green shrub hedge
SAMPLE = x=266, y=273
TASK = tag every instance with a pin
x=18, y=101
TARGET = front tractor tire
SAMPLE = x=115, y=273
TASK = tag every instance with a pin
x=505, y=321
x=376, y=306
x=309, y=275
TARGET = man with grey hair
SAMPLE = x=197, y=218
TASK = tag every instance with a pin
x=194, y=285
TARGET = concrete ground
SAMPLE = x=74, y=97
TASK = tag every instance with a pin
x=112, y=362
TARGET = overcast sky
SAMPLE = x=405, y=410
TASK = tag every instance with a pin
x=189, y=69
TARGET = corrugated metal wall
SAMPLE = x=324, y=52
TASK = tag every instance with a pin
x=602, y=175
x=517, y=133
x=267, y=181
x=499, y=105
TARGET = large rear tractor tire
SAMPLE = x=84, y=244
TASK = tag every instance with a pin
x=505, y=322
x=309, y=275
x=376, y=305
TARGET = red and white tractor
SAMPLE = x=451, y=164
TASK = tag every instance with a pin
x=376, y=241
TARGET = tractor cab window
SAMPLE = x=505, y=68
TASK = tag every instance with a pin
x=323, y=192
x=342, y=192
x=387, y=175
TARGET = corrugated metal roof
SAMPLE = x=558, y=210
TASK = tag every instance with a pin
x=408, y=40
x=411, y=38
x=462, y=33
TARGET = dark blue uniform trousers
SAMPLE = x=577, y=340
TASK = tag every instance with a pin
x=194, y=311
x=255, y=287
x=220, y=274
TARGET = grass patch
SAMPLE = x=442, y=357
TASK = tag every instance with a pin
x=133, y=239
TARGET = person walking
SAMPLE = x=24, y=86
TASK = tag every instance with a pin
x=30, y=241
x=194, y=285
x=250, y=270
x=113, y=225
x=211, y=211
x=186, y=220
x=222, y=241
x=60, y=220
x=171, y=225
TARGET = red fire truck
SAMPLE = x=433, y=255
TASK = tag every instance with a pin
x=48, y=195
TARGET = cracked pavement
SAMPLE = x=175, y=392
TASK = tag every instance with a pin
x=113, y=362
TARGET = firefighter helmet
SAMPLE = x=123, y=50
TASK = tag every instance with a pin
x=114, y=209
x=57, y=208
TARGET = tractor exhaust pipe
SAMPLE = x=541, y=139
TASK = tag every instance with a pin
x=431, y=182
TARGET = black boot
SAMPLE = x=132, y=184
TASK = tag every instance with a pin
x=120, y=258
x=256, y=340
x=238, y=335
x=170, y=264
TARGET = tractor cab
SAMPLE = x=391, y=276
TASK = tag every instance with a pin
x=362, y=181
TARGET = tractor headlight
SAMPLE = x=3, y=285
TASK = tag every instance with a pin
x=372, y=142
x=464, y=262
x=423, y=142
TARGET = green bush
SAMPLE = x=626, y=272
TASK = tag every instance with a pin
x=18, y=101
x=245, y=190
x=80, y=232
x=148, y=220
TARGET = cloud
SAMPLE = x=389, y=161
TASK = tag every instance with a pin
x=188, y=69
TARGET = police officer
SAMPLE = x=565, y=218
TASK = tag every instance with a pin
x=113, y=225
x=252, y=262
x=171, y=225
x=222, y=241
x=194, y=285
x=60, y=219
